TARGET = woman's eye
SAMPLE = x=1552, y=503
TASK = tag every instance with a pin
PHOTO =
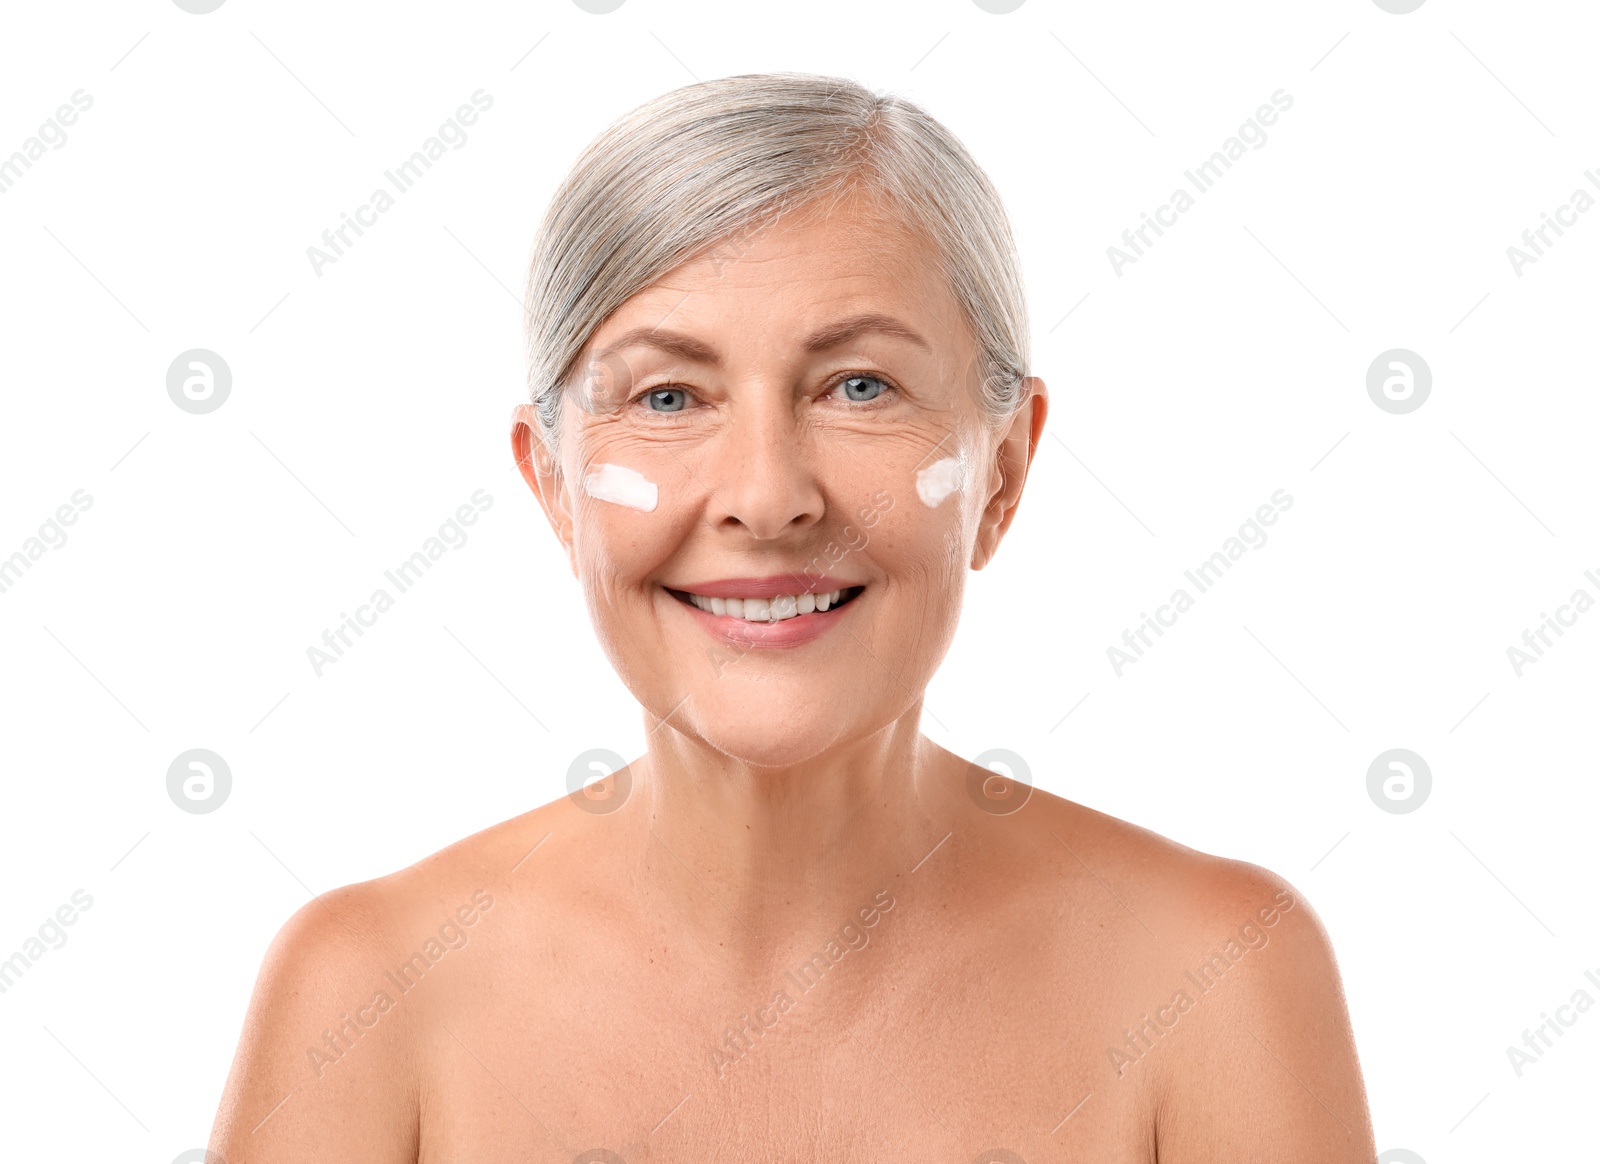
x=667, y=399
x=862, y=388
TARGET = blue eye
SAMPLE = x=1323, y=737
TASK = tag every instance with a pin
x=860, y=388
x=667, y=400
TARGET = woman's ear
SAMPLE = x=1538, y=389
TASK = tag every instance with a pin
x=542, y=472
x=1019, y=441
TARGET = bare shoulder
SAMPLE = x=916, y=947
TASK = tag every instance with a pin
x=1241, y=1026
x=306, y=1014
x=1180, y=893
x=331, y=1058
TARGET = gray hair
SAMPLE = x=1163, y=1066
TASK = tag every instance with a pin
x=712, y=162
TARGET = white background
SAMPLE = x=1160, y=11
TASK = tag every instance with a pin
x=372, y=400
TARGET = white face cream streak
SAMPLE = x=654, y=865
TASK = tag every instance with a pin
x=621, y=486
x=941, y=479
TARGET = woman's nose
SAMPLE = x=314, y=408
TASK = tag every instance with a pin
x=762, y=474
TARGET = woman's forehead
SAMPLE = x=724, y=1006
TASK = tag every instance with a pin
x=809, y=277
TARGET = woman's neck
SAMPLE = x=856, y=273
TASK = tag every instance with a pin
x=774, y=847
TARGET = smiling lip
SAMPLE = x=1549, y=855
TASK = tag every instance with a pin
x=769, y=586
x=794, y=631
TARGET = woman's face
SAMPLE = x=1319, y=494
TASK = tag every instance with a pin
x=795, y=414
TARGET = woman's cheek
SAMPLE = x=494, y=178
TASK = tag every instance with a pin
x=621, y=485
x=628, y=518
x=939, y=480
x=911, y=498
x=879, y=502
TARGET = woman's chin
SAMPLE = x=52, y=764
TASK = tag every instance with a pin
x=767, y=744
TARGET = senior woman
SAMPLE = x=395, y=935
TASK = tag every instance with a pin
x=780, y=406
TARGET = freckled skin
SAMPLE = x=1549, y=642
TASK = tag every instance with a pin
x=802, y=935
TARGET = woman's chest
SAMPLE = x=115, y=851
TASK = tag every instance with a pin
x=914, y=1063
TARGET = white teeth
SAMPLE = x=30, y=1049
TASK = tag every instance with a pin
x=775, y=609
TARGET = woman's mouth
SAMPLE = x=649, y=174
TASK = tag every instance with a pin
x=772, y=609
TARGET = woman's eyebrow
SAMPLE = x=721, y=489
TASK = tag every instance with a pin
x=844, y=330
x=675, y=343
x=841, y=331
